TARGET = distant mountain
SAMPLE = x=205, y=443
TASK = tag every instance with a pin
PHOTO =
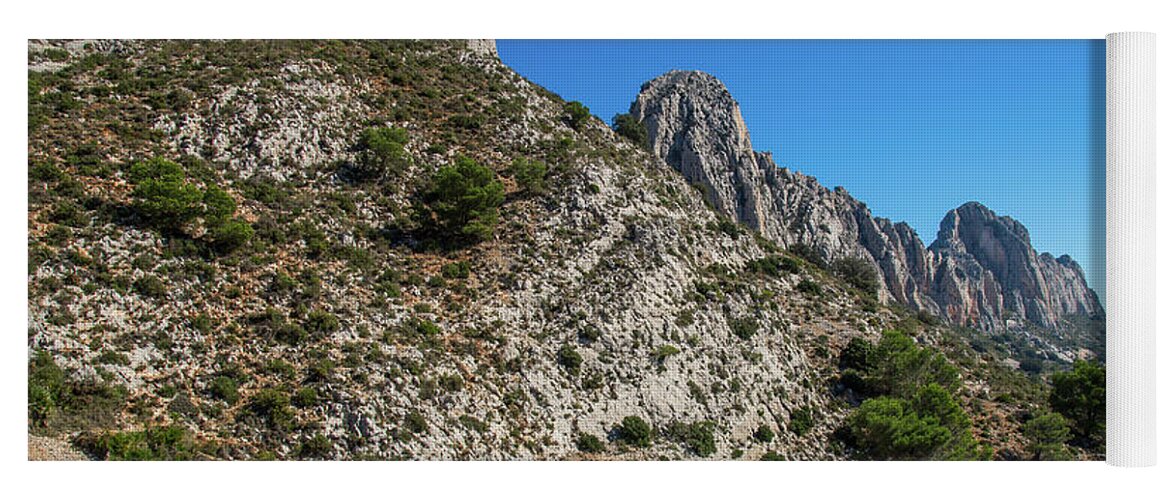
x=981, y=271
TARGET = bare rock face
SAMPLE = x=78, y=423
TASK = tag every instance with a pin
x=991, y=266
x=694, y=124
x=980, y=272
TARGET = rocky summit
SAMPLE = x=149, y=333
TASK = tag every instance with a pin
x=981, y=271
x=405, y=250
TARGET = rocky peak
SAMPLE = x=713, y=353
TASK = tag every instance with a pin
x=483, y=47
x=695, y=125
x=981, y=271
x=975, y=225
x=978, y=243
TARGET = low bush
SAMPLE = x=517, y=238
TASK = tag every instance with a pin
x=225, y=388
x=663, y=352
x=764, y=434
x=273, y=406
x=380, y=151
x=808, y=254
x=859, y=273
x=626, y=125
x=305, y=397
x=155, y=443
x=801, y=420
x=774, y=265
x=568, y=357
x=635, y=431
x=456, y=270
x=809, y=287
x=317, y=446
x=150, y=286
x=576, y=114
x=529, y=175
x=589, y=443
x=57, y=402
x=744, y=328
x=698, y=436
x=320, y=322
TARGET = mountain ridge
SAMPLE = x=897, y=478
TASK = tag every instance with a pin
x=695, y=125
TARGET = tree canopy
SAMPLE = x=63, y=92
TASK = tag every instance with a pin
x=1080, y=395
x=464, y=198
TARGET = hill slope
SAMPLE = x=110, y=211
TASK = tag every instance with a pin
x=344, y=323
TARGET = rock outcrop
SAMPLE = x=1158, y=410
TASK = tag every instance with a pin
x=981, y=272
x=986, y=266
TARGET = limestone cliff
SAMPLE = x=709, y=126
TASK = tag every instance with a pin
x=982, y=271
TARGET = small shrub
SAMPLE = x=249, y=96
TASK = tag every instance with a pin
x=663, y=352
x=744, y=328
x=576, y=114
x=305, y=397
x=451, y=382
x=771, y=456
x=150, y=286
x=456, y=270
x=47, y=389
x=467, y=121
x=635, y=431
x=321, y=370
x=589, y=443
x=698, y=436
x=859, y=273
x=729, y=228
x=774, y=265
x=626, y=125
x=764, y=434
x=321, y=322
x=808, y=254
x=568, y=357
x=225, y=388
x=529, y=175
x=473, y=423
x=113, y=358
x=415, y=423
x=317, y=446
x=381, y=151
x=291, y=333
x=801, y=420
x=56, y=402
x=590, y=333
x=230, y=235
x=273, y=406
x=155, y=443
x=809, y=287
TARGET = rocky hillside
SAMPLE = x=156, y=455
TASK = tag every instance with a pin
x=249, y=250
x=981, y=271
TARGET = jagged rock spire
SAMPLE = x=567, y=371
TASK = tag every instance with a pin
x=981, y=271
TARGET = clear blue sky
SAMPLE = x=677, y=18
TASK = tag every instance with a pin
x=913, y=128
